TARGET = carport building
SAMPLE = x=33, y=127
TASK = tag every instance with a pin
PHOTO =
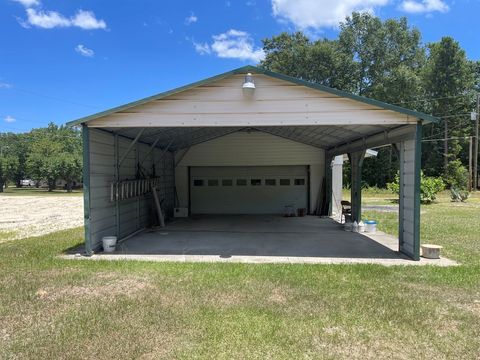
x=238, y=143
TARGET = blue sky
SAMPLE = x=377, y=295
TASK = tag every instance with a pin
x=60, y=60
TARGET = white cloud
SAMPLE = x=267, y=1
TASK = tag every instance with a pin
x=87, y=20
x=316, y=14
x=202, y=48
x=46, y=19
x=28, y=3
x=424, y=6
x=9, y=119
x=235, y=44
x=191, y=19
x=4, y=85
x=84, y=51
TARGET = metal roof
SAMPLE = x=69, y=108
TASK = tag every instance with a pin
x=257, y=70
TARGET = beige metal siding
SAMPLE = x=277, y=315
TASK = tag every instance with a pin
x=407, y=200
x=134, y=213
x=252, y=149
x=273, y=102
x=102, y=170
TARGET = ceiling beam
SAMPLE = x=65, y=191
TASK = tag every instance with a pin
x=381, y=138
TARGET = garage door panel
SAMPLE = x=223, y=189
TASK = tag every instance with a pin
x=248, y=190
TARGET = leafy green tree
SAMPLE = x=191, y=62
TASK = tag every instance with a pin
x=429, y=187
x=55, y=153
x=456, y=178
x=316, y=61
x=378, y=171
x=385, y=57
x=8, y=167
x=15, y=147
x=448, y=81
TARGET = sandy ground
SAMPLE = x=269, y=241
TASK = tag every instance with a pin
x=24, y=216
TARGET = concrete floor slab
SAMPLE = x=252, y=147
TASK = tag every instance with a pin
x=262, y=239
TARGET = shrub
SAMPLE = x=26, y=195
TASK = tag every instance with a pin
x=456, y=178
x=429, y=187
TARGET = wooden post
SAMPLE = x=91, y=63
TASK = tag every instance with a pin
x=158, y=207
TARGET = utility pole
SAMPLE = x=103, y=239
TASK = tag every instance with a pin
x=470, y=164
x=475, y=151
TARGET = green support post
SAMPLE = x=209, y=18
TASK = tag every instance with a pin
x=86, y=189
x=418, y=170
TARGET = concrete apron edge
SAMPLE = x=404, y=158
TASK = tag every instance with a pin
x=181, y=258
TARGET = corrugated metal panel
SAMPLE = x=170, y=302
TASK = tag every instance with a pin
x=252, y=149
x=102, y=211
x=134, y=213
x=239, y=73
x=408, y=212
x=274, y=102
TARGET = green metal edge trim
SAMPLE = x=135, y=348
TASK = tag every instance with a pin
x=400, y=199
x=86, y=189
x=418, y=169
x=257, y=70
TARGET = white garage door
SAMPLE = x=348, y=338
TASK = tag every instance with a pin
x=247, y=189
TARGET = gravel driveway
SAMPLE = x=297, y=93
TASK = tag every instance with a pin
x=25, y=216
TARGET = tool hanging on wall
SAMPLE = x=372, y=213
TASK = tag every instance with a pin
x=129, y=189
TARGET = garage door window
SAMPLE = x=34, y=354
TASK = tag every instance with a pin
x=284, y=182
x=241, y=182
x=227, y=182
x=270, y=182
x=197, y=182
x=256, y=182
x=212, y=182
x=299, y=182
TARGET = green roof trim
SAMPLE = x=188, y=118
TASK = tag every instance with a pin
x=257, y=70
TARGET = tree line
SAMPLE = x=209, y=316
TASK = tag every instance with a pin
x=387, y=61
x=44, y=154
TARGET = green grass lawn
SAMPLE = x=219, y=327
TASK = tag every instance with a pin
x=38, y=191
x=54, y=308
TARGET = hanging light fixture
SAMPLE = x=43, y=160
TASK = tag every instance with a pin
x=249, y=83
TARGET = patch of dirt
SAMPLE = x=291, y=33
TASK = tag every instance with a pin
x=25, y=216
x=277, y=296
x=129, y=286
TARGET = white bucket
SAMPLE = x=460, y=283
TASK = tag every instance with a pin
x=109, y=243
x=370, y=226
x=361, y=227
